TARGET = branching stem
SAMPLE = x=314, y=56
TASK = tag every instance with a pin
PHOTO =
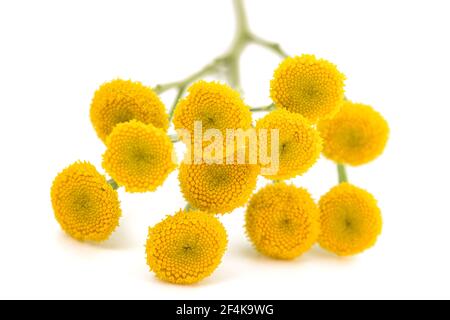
x=229, y=61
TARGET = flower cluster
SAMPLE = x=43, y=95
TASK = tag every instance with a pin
x=227, y=152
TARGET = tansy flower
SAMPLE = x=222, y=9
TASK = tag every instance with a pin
x=350, y=220
x=355, y=136
x=187, y=247
x=282, y=221
x=299, y=143
x=309, y=86
x=216, y=105
x=85, y=205
x=218, y=188
x=120, y=101
x=138, y=156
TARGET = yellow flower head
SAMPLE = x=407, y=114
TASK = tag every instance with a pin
x=282, y=221
x=350, y=220
x=216, y=105
x=120, y=101
x=85, y=205
x=309, y=86
x=138, y=156
x=299, y=143
x=218, y=188
x=355, y=136
x=187, y=247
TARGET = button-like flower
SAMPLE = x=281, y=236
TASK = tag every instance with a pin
x=187, y=247
x=216, y=105
x=350, y=220
x=309, y=86
x=138, y=156
x=356, y=135
x=299, y=143
x=282, y=221
x=120, y=101
x=85, y=205
x=218, y=188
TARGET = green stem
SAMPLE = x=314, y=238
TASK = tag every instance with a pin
x=241, y=16
x=270, y=107
x=273, y=46
x=230, y=60
x=175, y=102
x=188, y=207
x=113, y=184
x=234, y=74
x=208, y=69
x=342, y=173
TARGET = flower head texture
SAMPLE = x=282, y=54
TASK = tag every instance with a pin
x=216, y=105
x=309, y=86
x=218, y=188
x=120, y=101
x=350, y=220
x=187, y=247
x=138, y=156
x=84, y=204
x=299, y=143
x=282, y=221
x=355, y=136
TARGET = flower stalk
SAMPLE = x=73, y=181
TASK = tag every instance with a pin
x=113, y=184
x=268, y=108
x=342, y=173
x=228, y=61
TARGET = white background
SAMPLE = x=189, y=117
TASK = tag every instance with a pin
x=53, y=56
